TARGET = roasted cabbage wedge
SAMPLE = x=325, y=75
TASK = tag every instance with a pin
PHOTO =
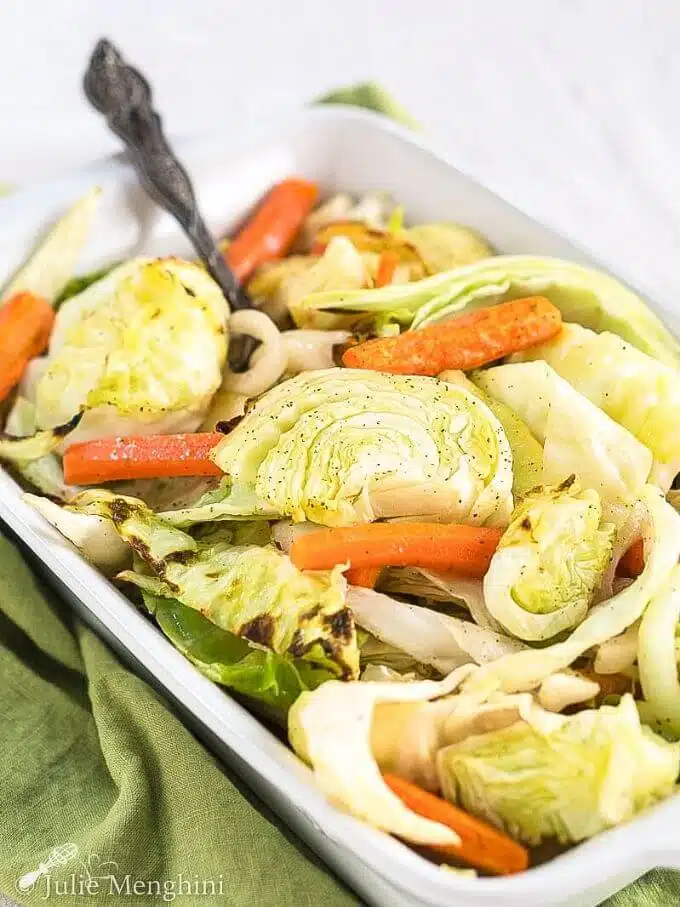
x=271, y=682
x=139, y=352
x=565, y=779
x=635, y=390
x=342, y=446
x=577, y=437
x=247, y=589
x=550, y=561
x=528, y=669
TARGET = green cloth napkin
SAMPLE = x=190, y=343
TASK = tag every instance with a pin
x=98, y=772
x=91, y=756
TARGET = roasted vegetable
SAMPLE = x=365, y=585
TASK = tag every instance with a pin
x=549, y=563
x=339, y=447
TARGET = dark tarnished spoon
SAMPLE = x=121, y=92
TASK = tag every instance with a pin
x=123, y=95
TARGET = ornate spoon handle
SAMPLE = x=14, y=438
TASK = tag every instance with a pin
x=123, y=95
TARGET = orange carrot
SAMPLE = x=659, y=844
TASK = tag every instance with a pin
x=363, y=576
x=269, y=234
x=481, y=844
x=633, y=561
x=466, y=550
x=387, y=265
x=467, y=342
x=25, y=327
x=143, y=457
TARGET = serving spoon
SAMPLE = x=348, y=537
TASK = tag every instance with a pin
x=123, y=95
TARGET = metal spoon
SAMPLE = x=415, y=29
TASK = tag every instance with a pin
x=123, y=95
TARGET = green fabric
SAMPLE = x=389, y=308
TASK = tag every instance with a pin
x=91, y=756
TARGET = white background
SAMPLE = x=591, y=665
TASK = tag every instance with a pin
x=569, y=108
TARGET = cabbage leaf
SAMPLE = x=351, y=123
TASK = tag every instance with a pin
x=44, y=472
x=527, y=453
x=549, y=562
x=252, y=591
x=634, y=389
x=528, y=669
x=584, y=295
x=37, y=445
x=54, y=259
x=429, y=637
x=588, y=772
x=271, y=682
x=94, y=536
x=577, y=437
x=657, y=660
x=330, y=728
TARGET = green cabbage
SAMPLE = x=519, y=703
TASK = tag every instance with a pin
x=635, y=390
x=140, y=351
x=270, y=681
x=589, y=772
x=340, y=266
x=38, y=445
x=656, y=656
x=527, y=453
x=589, y=297
x=549, y=562
x=528, y=669
x=577, y=437
x=429, y=637
x=442, y=587
x=254, y=592
x=447, y=245
x=45, y=473
x=50, y=266
x=94, y=536
x=388, y=662
x=343, y=446
x=330, y=729
x=222, y=503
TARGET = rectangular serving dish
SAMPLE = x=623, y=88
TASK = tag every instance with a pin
x=355, y=151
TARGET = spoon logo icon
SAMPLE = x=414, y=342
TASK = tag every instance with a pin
x=58, y=856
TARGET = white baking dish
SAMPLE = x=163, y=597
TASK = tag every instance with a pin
x=355, y=151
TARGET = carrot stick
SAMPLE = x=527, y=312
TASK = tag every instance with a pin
x=467, y=342
x=633, y=561
x=25, y=327
x=466, y=550
x=269, y=234
x=143, y=457
x=387, y=265
x=363, y=576
x=481, y=845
